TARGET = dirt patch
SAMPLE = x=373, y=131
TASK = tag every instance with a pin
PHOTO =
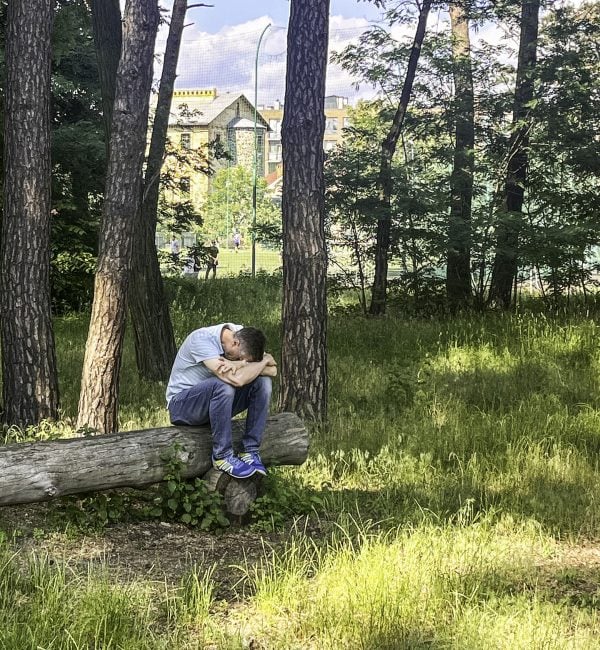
x=151, y=550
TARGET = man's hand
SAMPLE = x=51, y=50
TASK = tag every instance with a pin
x=268, y=358
x=225, y=365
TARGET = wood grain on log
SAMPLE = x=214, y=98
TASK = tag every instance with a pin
x=40, y=471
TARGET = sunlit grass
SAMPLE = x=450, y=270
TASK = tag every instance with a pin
x=460, y=455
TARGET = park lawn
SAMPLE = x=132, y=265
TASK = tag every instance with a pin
x=451, y=503
x=232, y=263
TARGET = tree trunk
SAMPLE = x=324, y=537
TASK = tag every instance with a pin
x=458, y=269
x=504, y=271
x=40, y=471
x=98, y=402
x=304, y=314
x=384, y=180
x=155, y=347
x=30, y=382
x=106, y=25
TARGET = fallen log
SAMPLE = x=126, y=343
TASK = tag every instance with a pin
x=39, y=471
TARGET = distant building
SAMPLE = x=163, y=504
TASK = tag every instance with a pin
x=336, y=119
x=202, y=116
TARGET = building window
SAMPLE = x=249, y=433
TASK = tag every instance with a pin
x=347, y=122
x=274, y=152
x=329, y=145
x=331, y=125
x=186, y=140
x=275, y=132
x=184, y=185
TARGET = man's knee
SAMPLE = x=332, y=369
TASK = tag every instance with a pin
x=222, y=389
x=264, y=385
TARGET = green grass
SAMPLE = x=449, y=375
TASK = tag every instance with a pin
x=459, y=466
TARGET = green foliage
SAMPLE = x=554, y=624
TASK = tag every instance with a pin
x=96, y=511
x=78, y=158
x=229, y=205
x=72, y=276
x=283, y=500
x=188, y=501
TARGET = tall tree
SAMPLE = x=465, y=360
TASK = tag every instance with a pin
x=30, y=383
x=384, y=181
x=154, y=339
x=98, y=402
x=106, y=25
x=304, y=314
x=504, y=272
x=458, y=268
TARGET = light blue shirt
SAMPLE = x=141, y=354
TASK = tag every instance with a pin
x=189, y=368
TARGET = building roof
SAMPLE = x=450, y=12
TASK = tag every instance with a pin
x=202, y=112
x=245, y=123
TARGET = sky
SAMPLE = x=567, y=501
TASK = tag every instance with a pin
x=226, y=13
x=220, y=42
x=219, y=46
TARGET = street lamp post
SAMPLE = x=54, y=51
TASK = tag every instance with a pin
x=254, y=170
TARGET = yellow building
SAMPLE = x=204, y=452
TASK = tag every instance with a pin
x=200, y=117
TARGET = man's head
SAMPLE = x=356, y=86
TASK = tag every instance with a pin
x=251, y=343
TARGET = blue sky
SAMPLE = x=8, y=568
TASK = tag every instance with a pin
x=233, y=12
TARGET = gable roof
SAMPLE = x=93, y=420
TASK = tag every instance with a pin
x=203, y=112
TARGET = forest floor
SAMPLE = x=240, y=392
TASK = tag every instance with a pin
x=165, y=552
x=144, y=550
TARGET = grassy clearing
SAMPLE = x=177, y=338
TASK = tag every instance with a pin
x=460, y=463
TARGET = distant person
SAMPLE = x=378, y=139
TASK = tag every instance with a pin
x=237, y=240
x=221, y=371
x=175, y=249
x=213, y=259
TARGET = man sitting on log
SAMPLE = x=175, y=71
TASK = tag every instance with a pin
x=219, y=372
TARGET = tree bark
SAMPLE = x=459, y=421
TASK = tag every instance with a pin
x=39, y=471
x=504, y=271
x=106, y=26
x=458, y=269
x=384, y=180
x=98, y=402
x=304, y=313
x=154, y=339
x=30, y=381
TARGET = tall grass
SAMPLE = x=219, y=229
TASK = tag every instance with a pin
x=460, y=460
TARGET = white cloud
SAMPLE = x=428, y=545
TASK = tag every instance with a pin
x=226, y=59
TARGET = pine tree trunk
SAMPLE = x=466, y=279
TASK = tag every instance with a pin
x=458, y=269
x=504, y=271
x=98, y=402
x=304, y=314
x=155, y=347
x=384, y=180
x=106, y=26
x=30, y=383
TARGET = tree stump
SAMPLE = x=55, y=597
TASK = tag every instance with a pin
x=40, y=471
x=238, y=494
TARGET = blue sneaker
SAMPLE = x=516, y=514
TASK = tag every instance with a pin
x=252, y=459
x=233, y=466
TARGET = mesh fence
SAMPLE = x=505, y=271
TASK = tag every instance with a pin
x=251, y=59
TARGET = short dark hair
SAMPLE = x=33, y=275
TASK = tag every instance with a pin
x=252, y=343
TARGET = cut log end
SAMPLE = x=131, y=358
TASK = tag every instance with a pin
x=238, y=494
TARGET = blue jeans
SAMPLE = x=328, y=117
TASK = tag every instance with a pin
x=214, y=402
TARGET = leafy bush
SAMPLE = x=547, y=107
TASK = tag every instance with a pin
x=72, y=281
x=188, y=501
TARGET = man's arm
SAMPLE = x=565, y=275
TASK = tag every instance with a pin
x=240, y=373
